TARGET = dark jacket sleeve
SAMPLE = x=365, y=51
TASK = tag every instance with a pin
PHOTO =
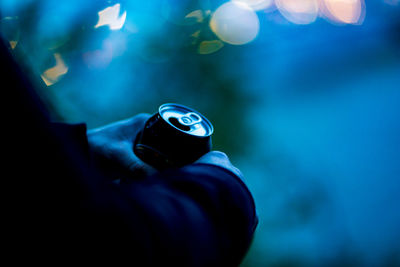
x=199, y=215
x=61, y=209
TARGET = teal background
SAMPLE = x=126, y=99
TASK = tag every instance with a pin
x=309, y=113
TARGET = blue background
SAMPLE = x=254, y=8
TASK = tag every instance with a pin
x=309, y=113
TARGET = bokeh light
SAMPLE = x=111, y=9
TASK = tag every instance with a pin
x=10, y=31
x=110, y=16
x=257, y=4
x=196, y=15
x=344, y=11
x=112, y=47
x=209, y=47
x=298, y=11
x=13, y=44
x=300, y=111
x=53, y=74
x=235, y=23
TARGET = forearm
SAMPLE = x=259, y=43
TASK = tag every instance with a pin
x=199, y=215
x=200, y=211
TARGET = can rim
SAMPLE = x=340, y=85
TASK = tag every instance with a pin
x=211, y=131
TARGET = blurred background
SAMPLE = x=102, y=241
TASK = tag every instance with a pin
x=304, y=96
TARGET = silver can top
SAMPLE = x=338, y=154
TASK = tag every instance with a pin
x=186, y=119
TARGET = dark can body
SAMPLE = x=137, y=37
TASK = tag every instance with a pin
x=174, y=136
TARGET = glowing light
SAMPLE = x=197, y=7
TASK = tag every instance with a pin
x=298, y=11
x=197, y=15
x=257, y=4
x=100, y=58
x=13, y=44
x=9, y=29
x=110, y=16
x=196, y=34
x=235, y=23
x=209, y=47
x=344, y=11
x=52, y=75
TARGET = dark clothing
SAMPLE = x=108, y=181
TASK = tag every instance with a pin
x=58, y=208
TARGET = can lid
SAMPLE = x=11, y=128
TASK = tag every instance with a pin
x=186, y=119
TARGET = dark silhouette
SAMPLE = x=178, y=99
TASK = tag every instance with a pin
x=62, y=204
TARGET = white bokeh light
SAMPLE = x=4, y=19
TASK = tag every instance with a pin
x=298, y=11
x=343, y=11
x=257, y=4
x=110, y=16
x=235, y=23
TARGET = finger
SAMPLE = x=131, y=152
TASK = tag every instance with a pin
x=134, y=125
x=123, y=129
x=220, y=159
x=214, y=157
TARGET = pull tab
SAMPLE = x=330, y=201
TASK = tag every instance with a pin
x=190, y=119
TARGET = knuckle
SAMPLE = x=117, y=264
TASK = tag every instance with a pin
x=219, y=154
x=140, y=119
x=142, y=116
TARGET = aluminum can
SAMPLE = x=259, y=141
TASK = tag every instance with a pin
x=173, y=137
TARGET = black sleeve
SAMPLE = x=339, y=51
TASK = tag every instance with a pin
x=200, y=215
x=59, y=209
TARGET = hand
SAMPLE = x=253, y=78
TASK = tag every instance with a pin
x=219, y=159
x=112, y=149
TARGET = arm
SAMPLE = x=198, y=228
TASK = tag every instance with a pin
x=61, y=208
x=204, y=210
x=202, y=214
